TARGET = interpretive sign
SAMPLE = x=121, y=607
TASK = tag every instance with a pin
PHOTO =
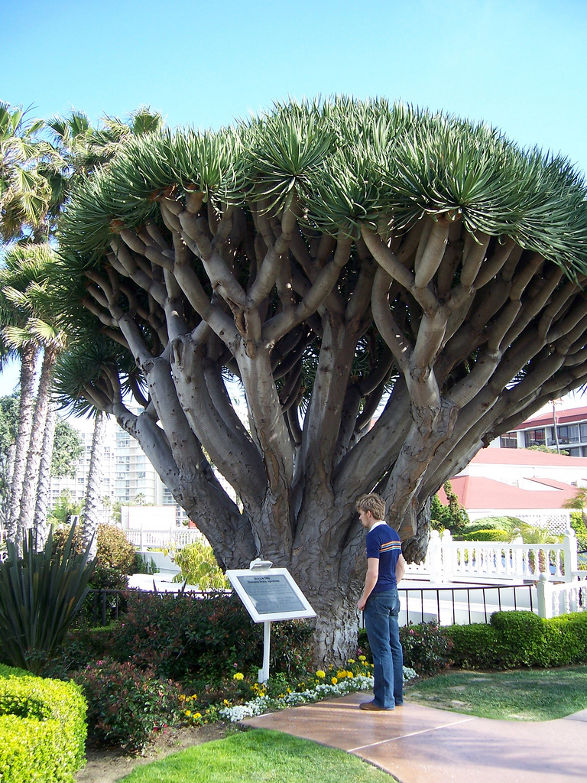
x=270, y=594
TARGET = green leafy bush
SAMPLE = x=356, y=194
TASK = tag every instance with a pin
x=426, y=648
x=473, y=646
x=183, y=636
x=40, y=595
x=113, y=550
x=578, y=525
x=42, y=728
x=199, y=567
x=487, y=535
x=127, y=704
x=516, y=639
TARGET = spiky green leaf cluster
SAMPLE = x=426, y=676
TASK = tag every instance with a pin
x=40, y=595
x=345, y=162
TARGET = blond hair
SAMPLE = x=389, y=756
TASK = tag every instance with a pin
x=373, y=503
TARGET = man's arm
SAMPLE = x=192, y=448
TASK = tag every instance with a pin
x=370, y=581
x=400, y=569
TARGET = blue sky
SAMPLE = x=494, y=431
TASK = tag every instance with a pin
x=517, y=64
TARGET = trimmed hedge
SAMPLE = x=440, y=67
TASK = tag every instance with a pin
x=42, y=728
x=520, y=638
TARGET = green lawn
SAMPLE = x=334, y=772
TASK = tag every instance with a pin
x=256, y=756
x=536, y=694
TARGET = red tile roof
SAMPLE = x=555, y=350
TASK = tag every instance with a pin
x=495, y=456
x=569, y=416
x=477, y=492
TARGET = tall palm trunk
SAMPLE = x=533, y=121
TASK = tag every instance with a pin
x=40, y=519
x=31, y=478
x=90, y=513
x=5, y=509
x=28, y=355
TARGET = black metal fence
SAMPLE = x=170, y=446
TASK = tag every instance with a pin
x=448, y=605
x=483, y=600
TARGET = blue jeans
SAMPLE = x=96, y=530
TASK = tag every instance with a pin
x=380, y=615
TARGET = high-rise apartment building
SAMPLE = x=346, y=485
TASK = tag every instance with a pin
x=127, y=475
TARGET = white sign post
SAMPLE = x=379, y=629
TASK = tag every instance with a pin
x=269, y=594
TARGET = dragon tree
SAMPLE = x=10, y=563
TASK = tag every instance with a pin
x=391, y=289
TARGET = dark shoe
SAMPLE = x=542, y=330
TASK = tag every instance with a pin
x=370, y=705
x=399, y=704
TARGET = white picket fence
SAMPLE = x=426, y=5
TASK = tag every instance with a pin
x=174, y=538
x=448, y=560
x=549, y=571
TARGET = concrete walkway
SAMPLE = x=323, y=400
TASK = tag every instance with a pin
x=420, y=744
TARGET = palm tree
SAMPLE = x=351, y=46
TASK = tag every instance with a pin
x=90, y=517
x=26, y=309
x=25, y=192
x=40, y=524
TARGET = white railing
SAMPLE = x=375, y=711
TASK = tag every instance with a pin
x=174, y=538
x=562, y=598
x=448, y=560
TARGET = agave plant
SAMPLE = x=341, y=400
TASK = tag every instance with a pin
x=40, y=594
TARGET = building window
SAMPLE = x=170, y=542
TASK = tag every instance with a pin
x=568, y=433
x=509, y=441
x=534, y=437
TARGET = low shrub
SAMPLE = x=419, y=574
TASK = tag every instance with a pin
x=517, y=638
x=473, y=646
x=521, y=634
x=487, y=535
x=185, y=637
x=127, y=704
x=426, y=648
x=42, y=728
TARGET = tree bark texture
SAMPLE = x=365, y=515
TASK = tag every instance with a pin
x=25, y=423
x=452, y=338
x=40, y=524
x=36, y=444
x=90, y=518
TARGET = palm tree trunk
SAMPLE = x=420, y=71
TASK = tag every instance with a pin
x=40, y=521
x=90, y=513
x=31, y=477
x=5, y=510
x=25, y=422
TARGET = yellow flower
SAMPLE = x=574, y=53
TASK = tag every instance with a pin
x=320, y=674
x=350, y=675
x=188, y=713
x=351, y=660
x=226, y=703
x=341, y=674
x=238, y=676
x=334, y=680
x=182, y=697
x=197, y=715
x=362, y=658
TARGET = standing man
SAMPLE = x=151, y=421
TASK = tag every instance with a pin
x=380, y=603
